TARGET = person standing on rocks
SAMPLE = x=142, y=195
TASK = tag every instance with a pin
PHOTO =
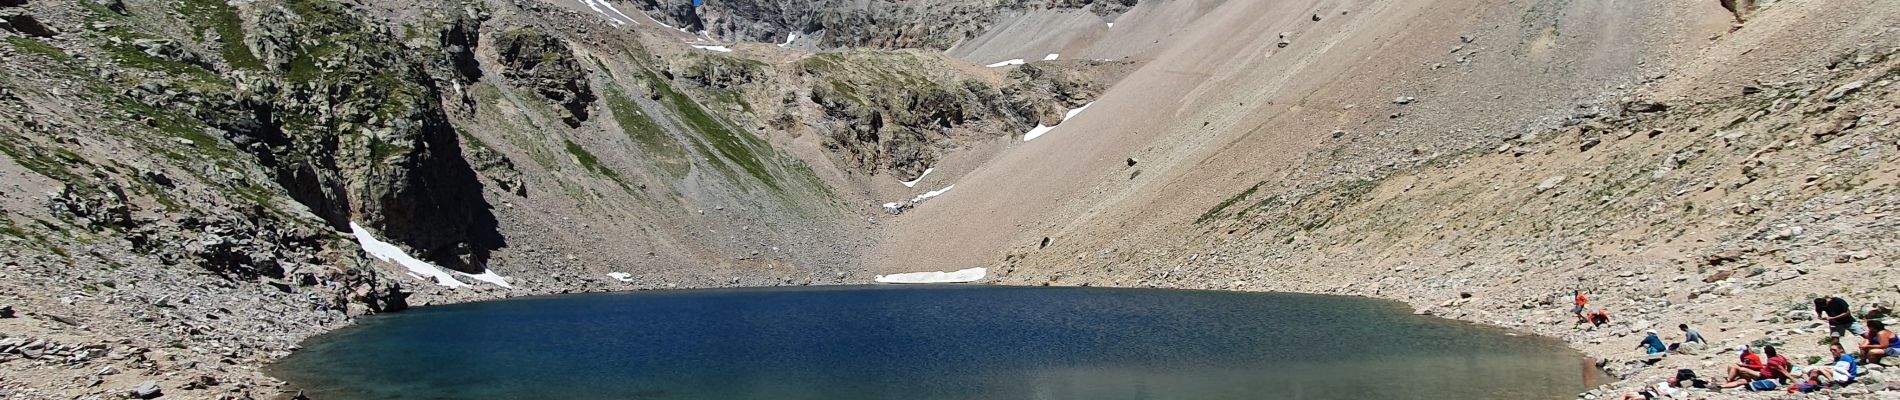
x=1839, y=317
x=1582, y=302
x=1880, y=342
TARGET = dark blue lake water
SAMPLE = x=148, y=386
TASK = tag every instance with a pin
x=931, y=342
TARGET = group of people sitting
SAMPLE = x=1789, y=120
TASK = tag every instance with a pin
x=1774, y=372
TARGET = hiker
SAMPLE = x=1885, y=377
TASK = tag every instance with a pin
x=1689, y=336
x=1840, y=319
x=1771, y=374
x=1748, y=365
x=1652, y=344
x=1880, y=342
x=1599, y=318
x=1581, y=303
x=1840, y=373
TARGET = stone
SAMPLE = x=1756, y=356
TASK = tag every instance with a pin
x=108, y=370
x=1551, y=183
x=26, y=24
x=1642, y=106
x=7, y=312
x=146, y=390
x=1719, y=276
x=1844, y=90
x=1588, y=144
x=1403, y=100
x=1339, y=134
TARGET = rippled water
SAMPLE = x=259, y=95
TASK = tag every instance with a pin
x=931, y=342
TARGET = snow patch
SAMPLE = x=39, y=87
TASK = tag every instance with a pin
x=1018, y=61
x=620, y=276
x=390, y=253
x=788, y=39
x=721, y=49
x=934, y=193
x=963, y=276
x=1111, y=24
x=913, y=182
x=1052, y=56
x=596, y=6
x=489, y=276
x=1041, y=130
x=1037, y=132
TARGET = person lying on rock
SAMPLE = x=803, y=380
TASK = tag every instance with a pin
x=1840, y=373
x=1668, y=389
x=1652, y=344
x=1880, y=342
x=1771, y=374
x=1840, y=320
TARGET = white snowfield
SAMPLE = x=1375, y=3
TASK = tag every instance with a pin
x=1041, y=130
x=617, y=18
x=963, y=276
x=1018, y=61
x=913, y=182
x=934, y=193
x=721, y=49
x=1052, y=57
x=788, y=39
x=620, y=276
x=419, y=269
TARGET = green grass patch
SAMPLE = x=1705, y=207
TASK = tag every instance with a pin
x=666, y=150
x=31, y=45
x=589, y=161
x=733, y=146
x=218, y=16
x=1215, y=212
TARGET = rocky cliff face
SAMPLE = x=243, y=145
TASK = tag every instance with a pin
x=543, y=64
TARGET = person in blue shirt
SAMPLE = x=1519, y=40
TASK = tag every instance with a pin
x=1841, y=372
x=1652, y=343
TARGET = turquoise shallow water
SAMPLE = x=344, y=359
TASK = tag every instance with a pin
x=931, y=342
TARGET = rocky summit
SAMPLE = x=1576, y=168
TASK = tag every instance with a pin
x=192, y=187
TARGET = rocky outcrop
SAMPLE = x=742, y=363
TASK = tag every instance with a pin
x=382, y=154
x=894, y=111
x=542, y=63
x=849, y=23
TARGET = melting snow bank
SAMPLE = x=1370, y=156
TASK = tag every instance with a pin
x=1018, y=61
x=721, y=49
x=788, y=39
x=1040, y=129
x=419, y=269
x=620, y=276
x=934, y=193
x=1052, y=56
x=898, y=207
x=964, y=276
x=390, y=253
x=913, y=182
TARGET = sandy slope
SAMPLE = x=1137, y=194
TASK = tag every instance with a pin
x=1221, y=106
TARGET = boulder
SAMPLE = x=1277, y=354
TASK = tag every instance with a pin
x=27, y=25
x=146, y=390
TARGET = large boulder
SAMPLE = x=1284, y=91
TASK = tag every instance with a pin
x=146, y=390
x=542, y=63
